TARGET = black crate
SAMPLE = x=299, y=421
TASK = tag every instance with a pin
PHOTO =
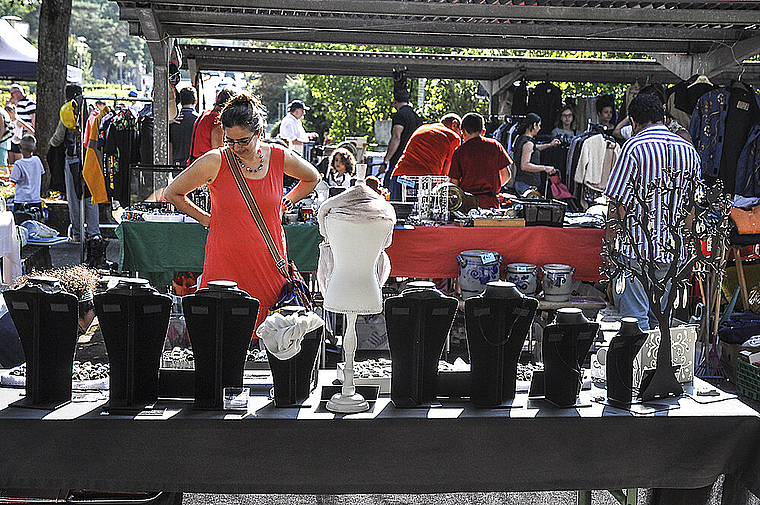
x=544, y=212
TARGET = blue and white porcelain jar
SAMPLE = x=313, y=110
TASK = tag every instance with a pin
x=557, y=282
x=524, y=276
x=476, y=269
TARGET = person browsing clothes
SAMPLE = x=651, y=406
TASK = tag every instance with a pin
x=528, y=168
x=235, y=248
x=481, y=165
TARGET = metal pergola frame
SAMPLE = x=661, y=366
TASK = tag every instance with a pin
x=684, y=37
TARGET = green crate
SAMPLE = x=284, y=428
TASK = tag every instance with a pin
x=748, y=379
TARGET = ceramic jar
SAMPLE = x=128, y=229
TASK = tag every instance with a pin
x=557, y=282
x=476, y=269
x=524, y=276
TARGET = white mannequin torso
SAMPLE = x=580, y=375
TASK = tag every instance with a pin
x=356, y=247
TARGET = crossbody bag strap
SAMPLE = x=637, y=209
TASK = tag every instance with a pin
x=250, y=201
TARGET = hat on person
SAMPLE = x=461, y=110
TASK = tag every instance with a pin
x=133, y=93
x=15, y=87
x=297, y=104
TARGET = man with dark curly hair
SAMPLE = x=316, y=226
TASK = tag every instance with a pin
x=78, y=280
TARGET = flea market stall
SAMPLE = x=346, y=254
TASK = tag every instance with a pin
x=494, y=430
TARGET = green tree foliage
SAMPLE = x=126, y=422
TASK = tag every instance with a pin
x=448, y=95
x=98, y=21
x=352, y=103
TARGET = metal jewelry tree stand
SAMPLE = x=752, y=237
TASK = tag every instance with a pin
x=701, y=218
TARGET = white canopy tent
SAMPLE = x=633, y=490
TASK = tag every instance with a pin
x=18, y=57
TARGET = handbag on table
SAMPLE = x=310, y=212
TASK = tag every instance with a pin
x=295, y=291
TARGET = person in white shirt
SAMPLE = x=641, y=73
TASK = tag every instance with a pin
x=291, y=128
x=27, y=174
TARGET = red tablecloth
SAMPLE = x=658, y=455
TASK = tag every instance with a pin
x=430, y=252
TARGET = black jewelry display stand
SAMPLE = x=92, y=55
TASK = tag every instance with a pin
x=46, y=319
x=497, y=324
x=134, y=318
x=566, y=344
x=220, y=319
x=296, y=377
x=418, y=323
x=621, y=353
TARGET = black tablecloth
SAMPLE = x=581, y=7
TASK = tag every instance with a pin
x=449, y=448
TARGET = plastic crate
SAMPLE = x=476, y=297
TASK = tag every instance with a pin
x=544, y=212
x=748, y=379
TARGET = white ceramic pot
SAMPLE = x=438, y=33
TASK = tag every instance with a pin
x=524, y=276
x=557, y=282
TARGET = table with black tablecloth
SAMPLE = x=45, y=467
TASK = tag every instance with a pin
x=159, y=250
x=449, y=448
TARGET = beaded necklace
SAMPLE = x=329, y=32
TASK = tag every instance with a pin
x=251, y=169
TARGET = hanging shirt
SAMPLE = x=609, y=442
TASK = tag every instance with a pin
x=598, y=156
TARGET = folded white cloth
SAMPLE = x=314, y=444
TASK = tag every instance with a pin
x=282, y=335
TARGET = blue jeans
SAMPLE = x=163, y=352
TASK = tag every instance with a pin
x=91, y=212
x=634, y=300
x=395, y=189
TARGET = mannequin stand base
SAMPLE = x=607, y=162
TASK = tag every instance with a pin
x=350, y=404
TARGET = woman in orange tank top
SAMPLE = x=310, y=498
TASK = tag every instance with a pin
x=235, y=248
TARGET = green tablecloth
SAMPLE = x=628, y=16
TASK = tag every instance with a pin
x=157, y=251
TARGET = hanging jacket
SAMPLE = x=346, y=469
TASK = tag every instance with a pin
x=92, y=171
x=707, y=130
x=748, y=167
x=546, y=101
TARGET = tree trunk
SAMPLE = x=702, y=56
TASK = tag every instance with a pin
x=55, y=17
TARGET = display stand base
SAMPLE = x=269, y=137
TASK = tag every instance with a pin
x=639, y=408
x=411, y=404
x=303, y=404
x=508, y=404
x=347, y=404
x=26, y=403
x=358, y=402
x=532, y=402
x=131, y=410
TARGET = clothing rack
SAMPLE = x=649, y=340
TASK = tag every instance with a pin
x=83, y=115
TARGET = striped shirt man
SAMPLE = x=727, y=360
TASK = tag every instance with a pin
x=646, y=158
x=25, y=108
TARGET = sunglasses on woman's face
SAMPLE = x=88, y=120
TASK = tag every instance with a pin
x=240, y=142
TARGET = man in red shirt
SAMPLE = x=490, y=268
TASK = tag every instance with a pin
x=481, y=165
x=430, y=149
x=207, y=130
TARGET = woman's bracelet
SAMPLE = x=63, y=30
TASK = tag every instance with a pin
x=288, y=203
